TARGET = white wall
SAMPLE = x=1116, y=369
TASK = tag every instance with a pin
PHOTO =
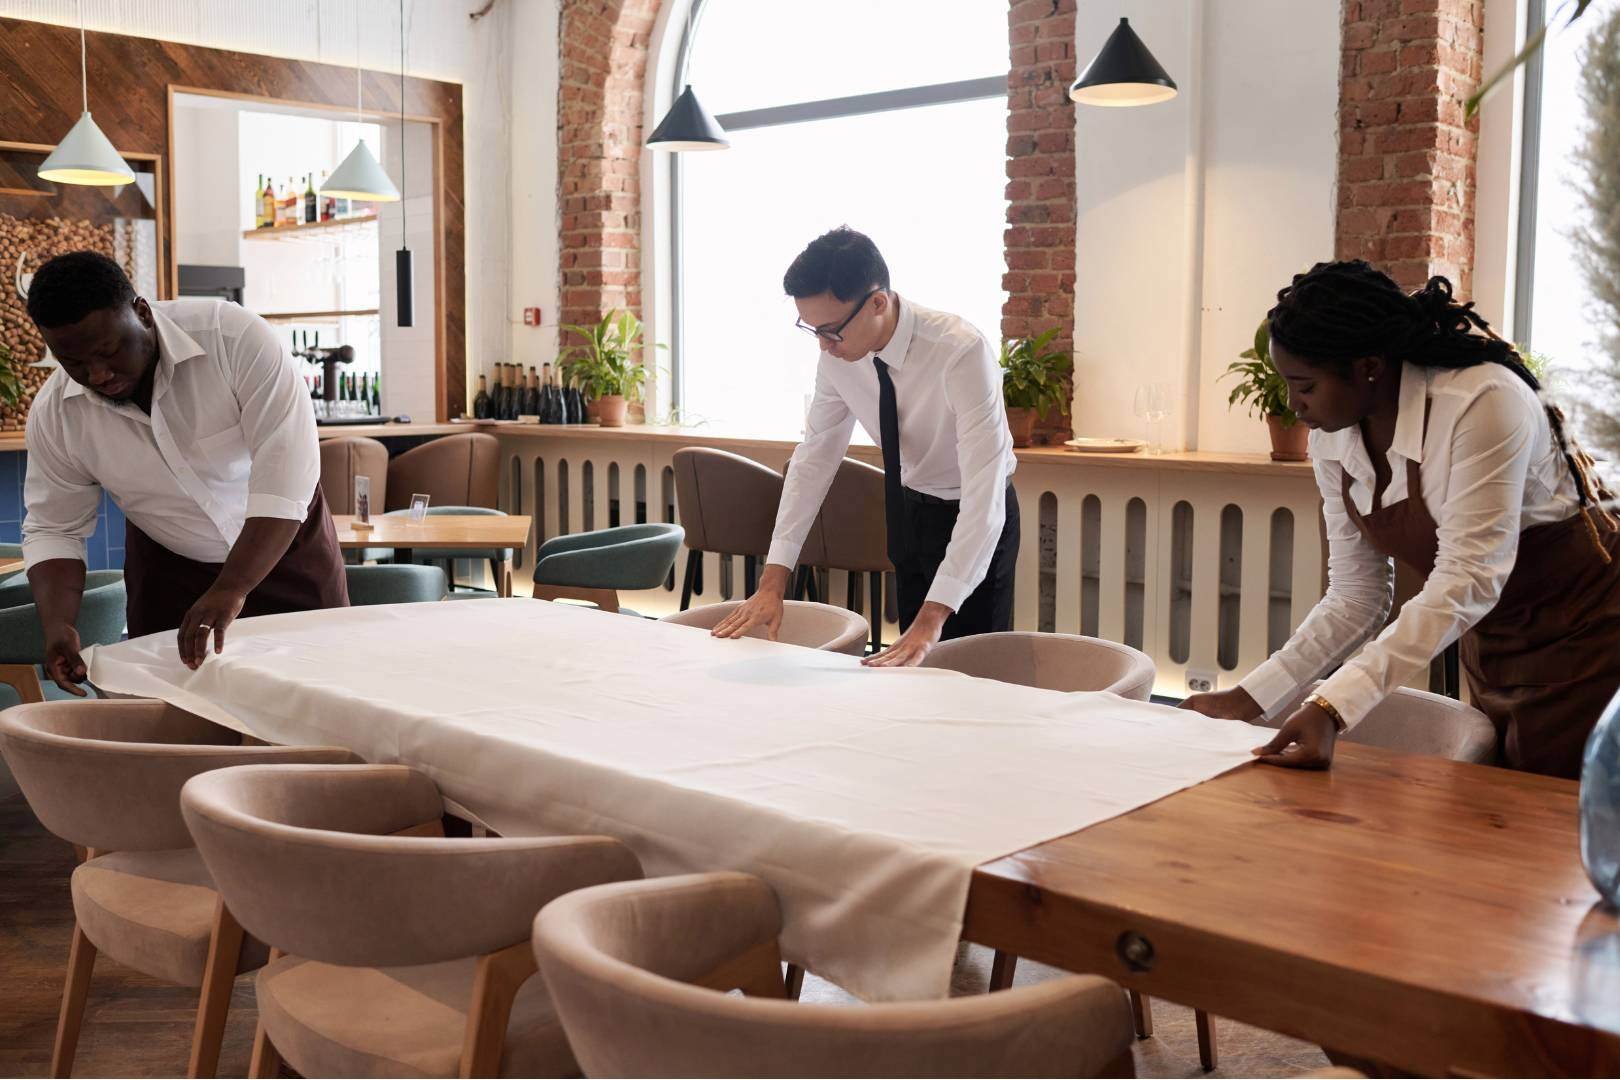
x=1192, y=213
x=532, y=182
x=208, y=183
x=443, y=43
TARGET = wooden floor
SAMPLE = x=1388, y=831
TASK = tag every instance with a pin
x=137, y=1027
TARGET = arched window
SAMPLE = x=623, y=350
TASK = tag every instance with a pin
x=889, y=116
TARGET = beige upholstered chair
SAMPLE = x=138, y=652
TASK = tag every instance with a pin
x=851, y=533
x=815, y=626
x=1066, y=662
x=397, y=951
x=344, y=458
x=106, y=775
x=640, y=973
x=458, y=470
x=727, y=505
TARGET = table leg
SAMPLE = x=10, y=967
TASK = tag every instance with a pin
x=1206, y=1039
x=1142, y=1015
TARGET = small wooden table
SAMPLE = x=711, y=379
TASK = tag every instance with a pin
x=440, y=532
x=1417, y=911
x=10, y=566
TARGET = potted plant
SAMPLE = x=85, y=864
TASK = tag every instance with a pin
x=1261, y=387
x=1033, y=380
x=603, y=365
x=11, y=383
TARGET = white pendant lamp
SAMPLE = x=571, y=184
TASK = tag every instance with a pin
x=84, y=156
x=360, y=177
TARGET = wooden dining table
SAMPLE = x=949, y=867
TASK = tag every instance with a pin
x=439, y=532
x=10, y=566
x=1415, y=911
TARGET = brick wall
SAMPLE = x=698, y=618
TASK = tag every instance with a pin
x=1040, y=178
x=599, y=110
x=1406, y=156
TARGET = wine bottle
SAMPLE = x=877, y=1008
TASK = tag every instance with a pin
x=531, y=394
x=311, y=203
x=258, y=203
x=508, y=407
x=579, y=401
x=497, y=397
x=569, y=415
x=547, y=415
x=267, y=205
x=481, y=401
x=376, y=394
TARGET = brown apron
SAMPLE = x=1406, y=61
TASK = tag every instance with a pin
x=162, y=586
x=1544, y=662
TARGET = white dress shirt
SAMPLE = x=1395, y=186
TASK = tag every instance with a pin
x=1490, y=469
x=954, y=442
x=231, y=436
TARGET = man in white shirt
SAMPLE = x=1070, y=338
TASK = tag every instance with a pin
x=190, y=415
x=926, y=386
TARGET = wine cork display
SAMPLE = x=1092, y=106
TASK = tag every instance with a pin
x=25, y=244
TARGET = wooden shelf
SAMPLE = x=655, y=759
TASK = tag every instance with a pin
x=296, y=316
x=285, y=232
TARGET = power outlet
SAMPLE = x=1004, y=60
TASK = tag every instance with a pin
x=1200, y=682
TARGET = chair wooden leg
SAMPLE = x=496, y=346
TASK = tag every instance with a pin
x=1206, y=1039
x=219, y=978
x=1142, y=1015
x=23, y=679
x=266, y=1061
x=1002, y=968
x=81, y=961
x=499, y=977
x=875, y=585
x=793, y=981
x=692, y=558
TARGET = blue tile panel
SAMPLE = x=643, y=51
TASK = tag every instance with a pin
x=104, y=549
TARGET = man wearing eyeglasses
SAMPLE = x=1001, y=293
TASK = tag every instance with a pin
x=927, y=386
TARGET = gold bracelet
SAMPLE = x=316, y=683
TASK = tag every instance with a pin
x=1327, y=706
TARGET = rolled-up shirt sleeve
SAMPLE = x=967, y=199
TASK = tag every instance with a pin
x=1478, y=533
x=1361, y=588
x=984, y=453
x=277, y=424
x=61, y=499
x=815, y=461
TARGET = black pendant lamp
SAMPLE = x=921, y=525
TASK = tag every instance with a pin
x=688, y=125
x=404, y=271
x=1123, y=73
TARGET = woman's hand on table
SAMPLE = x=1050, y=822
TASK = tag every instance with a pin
x=1305, y=741
x=920, y=637
x=63, y=664
x=1233, y=704
x=764, y=608
x=209, y=616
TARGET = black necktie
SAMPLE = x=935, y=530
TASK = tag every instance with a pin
x=889, y=436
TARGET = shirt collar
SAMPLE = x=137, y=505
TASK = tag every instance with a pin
x=174, y=347
x=894, y=353
x=1411, y=418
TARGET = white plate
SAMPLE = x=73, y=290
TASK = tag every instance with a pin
x=1106, y=446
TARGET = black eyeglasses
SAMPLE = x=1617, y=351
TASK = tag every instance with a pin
x=836, y=333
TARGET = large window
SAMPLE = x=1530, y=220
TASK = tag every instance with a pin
x=889, y=116
x=1556, y=309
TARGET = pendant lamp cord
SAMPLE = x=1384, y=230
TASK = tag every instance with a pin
x=359, y=112
x=404, y=237
x=84, y=69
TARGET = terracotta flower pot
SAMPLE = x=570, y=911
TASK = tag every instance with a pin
x=1021, y=422
x=1289, y=442
x=611, y=408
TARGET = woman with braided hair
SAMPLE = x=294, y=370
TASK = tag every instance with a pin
x=1432, y=446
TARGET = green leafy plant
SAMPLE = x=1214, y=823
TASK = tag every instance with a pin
x=1532, y=43
x=1260, y=385
x=1539, y=364
x=11, y=384
x=603, y=362
x=1033, y=375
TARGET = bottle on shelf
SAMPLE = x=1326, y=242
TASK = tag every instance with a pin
x=578, y=396
x=544, y=408
x=376, y=394
x=531, y=394
x=311, y=203
x=503, y=399
x=267, y=204
x=258, y=203
x=328, y=203
x=481, y=400
x=569, y=416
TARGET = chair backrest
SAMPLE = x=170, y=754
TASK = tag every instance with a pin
x=100, y=622
x=399, y=583
x=1415, y=722
x=623, y=557
x=1067, y=662
x=108, y=774
x=621, y=960
x=851, y=531
x=727, y=503
x=305, y=858
x=814, y=626
x=458, y=470
x=344, y=458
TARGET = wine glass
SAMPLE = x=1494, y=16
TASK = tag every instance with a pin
x=1152, y=406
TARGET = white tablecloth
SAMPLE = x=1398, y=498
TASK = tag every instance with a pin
x=865, y=797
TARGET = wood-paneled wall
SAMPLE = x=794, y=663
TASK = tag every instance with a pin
x=130, y=83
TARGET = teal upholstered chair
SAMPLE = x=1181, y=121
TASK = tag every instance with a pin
x=596, y=565
x=10, y=553
x=22, y=639
x=402, y=584
x=500, y=559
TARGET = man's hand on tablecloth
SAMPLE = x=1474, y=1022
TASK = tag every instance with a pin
x=208, y=618
x=1233, y=704
x=764, y=608
x=919, y=639
x=1305, y=741
x=63, y=664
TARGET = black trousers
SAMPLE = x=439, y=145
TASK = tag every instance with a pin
x=925, y=525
